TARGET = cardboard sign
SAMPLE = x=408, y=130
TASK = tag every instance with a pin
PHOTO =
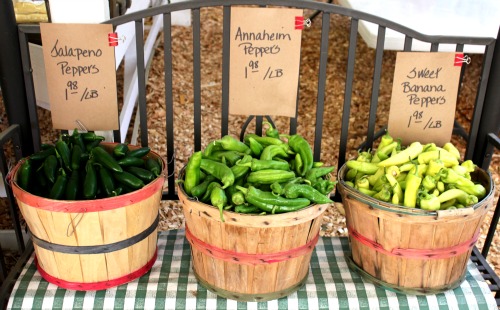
x=264, y=61
x=424, y=96
x=81, y=77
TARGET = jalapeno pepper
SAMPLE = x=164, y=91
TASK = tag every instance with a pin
x=62, y=150
x=120, y=150
x=76, y=157
x=129, y=161
x=106, y=159
x=73, y=185
x=153, y=165
x=140, y=152
x=50, y=168
x=43, y=154
x=59, y=186
x=24, y=174
x=128, y=179
x=107, y=183
x=90, y=181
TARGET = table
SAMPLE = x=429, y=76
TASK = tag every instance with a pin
x=438, y=17
x=171, y=285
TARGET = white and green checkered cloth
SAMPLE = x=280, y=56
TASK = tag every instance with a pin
x=171, y=284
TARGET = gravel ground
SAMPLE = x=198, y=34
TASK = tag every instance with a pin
x=333, y=220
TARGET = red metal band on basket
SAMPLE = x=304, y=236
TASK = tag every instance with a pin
x=417, y=253
x=94, y=205
x=249, y=259
x=95, y=286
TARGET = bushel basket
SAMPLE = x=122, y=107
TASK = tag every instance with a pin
x=411, y=250
x=250, y=257
x=93, y=244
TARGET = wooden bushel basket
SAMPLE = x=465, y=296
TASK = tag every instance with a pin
x=93, y=244
x=411, y=250
x=250, y=257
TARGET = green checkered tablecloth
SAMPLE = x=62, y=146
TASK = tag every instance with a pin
x=171, y=284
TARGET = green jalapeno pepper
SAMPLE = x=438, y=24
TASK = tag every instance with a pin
x=59, y=186
x=64, y=153
x=25, y=174
x=120, y=150
x=106, y=159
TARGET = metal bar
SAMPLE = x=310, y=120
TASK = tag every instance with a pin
x=485, y=121
x=490, y=112
x=258, y=125
x=196, y=79
x=346, y=111
x=457, y=127
x=488, y=272
x=493, y=141
x=141, y=81
x=12, y=133
x=169, y=103
x=320, y=106
x=3, y=267
x=434, y=47
x=226, y=33
x=7, y=285
x=29, y=85
x=11, y=75
x=408, y=43
x=379, y=53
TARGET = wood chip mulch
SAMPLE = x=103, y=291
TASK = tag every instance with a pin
x=211, y=39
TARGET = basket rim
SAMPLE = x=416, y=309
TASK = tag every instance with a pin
x=387, y=206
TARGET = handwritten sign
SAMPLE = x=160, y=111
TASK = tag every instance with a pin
x=264, y=62
x=81, y=76
x=424, y=96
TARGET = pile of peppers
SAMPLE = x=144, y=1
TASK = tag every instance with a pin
x=268, y=174
x=417, y=176
x=78, y=167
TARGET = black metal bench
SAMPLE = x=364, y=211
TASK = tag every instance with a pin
x=481, y=137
